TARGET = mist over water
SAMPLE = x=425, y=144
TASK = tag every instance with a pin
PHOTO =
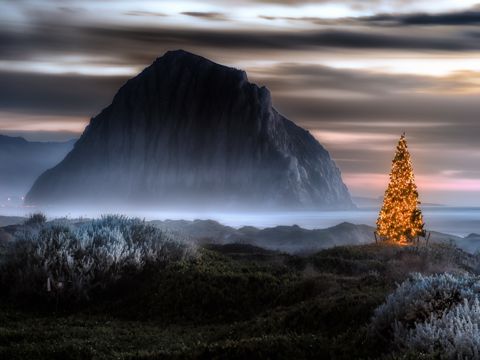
x=460, y=221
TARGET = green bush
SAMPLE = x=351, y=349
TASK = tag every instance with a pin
x=209, y=288
x=61, y=263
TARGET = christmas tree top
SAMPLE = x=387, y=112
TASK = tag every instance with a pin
x=400, y=219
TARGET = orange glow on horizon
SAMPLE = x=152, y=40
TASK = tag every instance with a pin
x=54, y=123
x=376, y=182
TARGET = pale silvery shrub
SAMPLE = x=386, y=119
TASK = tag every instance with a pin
x=454, y=335
x=437, y=314
x=88, y=257
x=418, y=297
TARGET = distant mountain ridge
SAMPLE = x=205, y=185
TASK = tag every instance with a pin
x=187, y=131
x=290, y=239
x=295, y=239
x=22, y=161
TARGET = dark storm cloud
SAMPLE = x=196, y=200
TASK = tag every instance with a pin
x=380, y=96
x=144, y=13
x=136, y=45
x=405, y=108
x=47, y=32
x=130, y=45
x=461, y=18
x=56, y=94
x=471, y=17
x=206, y=15
x=309, y=77
x=270, y=40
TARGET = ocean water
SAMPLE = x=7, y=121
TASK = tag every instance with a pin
x=460, y=221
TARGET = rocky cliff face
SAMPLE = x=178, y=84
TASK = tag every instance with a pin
x=188, y=131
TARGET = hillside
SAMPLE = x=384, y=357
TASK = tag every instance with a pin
x=232, y=301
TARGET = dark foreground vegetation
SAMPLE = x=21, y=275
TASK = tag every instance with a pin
x=118, y=288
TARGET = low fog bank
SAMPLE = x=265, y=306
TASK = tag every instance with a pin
x=236, y=217
x=293, y=239
x=458, y=221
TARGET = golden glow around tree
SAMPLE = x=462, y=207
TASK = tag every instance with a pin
x=400, y=219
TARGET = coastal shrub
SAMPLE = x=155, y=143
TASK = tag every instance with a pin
x=289, y=346
x=36, y=219
x=75, y=262
x=211, y=288
x=453, y=335
x=437, y=314
x=420, y=296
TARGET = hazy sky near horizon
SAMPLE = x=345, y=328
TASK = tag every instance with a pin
x=356, y=73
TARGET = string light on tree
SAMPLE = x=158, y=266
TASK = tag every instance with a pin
x=400, y=219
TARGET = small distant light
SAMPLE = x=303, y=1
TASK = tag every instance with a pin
x=23, y=198
x=9, y=199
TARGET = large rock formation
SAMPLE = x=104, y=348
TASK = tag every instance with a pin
x=187, y=131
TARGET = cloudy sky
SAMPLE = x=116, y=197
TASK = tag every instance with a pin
x=356, y=73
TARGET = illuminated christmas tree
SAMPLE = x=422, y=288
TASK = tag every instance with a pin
x=400, y=220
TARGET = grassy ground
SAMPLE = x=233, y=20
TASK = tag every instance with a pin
x=233, y=301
